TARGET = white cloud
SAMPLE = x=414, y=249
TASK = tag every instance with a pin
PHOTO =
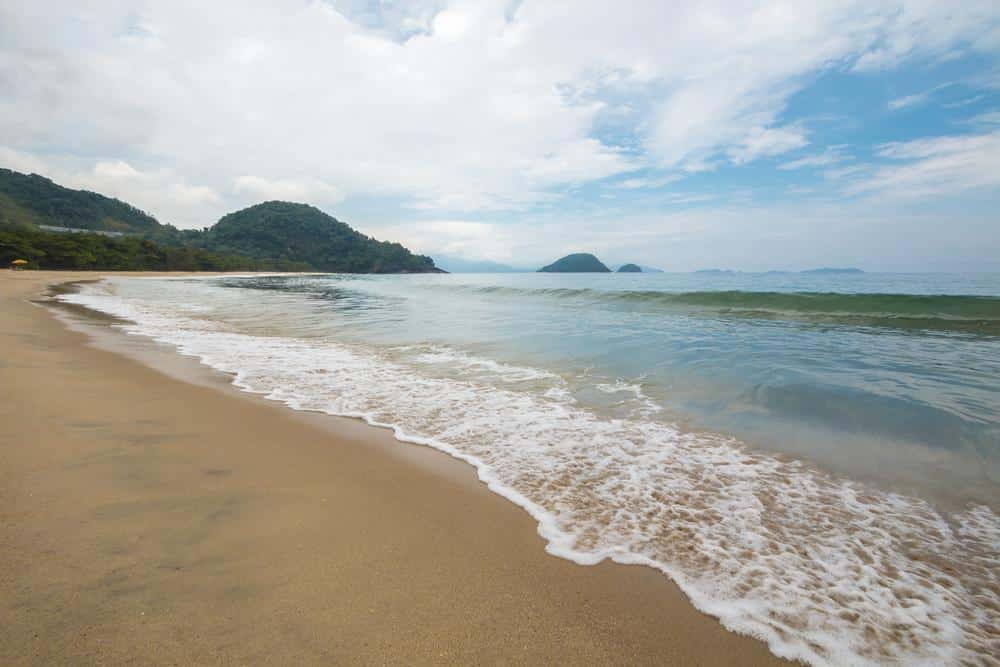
x=848, y=172
x=647, y=183
x=964, y=102
x=445, y=105
x=19, y=161
x=579, y=161
x=832, y=155
x=917, y=98
x=929, y=29
x=987, y=118
x=767, y=142
x=458, y=238
x=688, y=198
x=156, y=190
x=935, y=167
x=301, y=191
x=908, y=101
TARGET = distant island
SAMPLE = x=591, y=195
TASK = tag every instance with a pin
x=642, y=267
x=834, y=270
x=821, y=271
x=629, y=268
x=54, y=227
x=580, y=262
x=459, y=265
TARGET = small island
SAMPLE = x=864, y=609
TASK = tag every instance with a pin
x=580, y=262
x=629, y=268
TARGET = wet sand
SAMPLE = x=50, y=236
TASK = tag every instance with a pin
x=151, y=515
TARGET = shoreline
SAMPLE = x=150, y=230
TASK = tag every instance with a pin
x=155, y=512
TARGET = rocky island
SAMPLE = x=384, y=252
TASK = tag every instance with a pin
x=580, y=262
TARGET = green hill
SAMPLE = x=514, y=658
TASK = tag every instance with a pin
x=581, y=262
x=284, y=232
x=629, y=268
x=34, y=199
x=270, y=236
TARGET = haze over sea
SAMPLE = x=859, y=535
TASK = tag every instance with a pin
x=814, y=459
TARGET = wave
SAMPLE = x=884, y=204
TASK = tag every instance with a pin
x=962, y=313
x=823, y=569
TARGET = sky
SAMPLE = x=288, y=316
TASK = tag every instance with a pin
x=741, y=135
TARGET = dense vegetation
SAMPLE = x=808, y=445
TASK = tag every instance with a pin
x=273, y=236
x=285, y=232
x=82, y=251
x=629, y=268
x=34, y=199
x=581, y=262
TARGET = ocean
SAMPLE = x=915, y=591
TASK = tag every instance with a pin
x=813, y=458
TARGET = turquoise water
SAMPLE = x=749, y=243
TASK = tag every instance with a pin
x=814, y=459
x=892, y=378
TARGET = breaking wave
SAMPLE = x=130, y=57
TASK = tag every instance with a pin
x=960, y=313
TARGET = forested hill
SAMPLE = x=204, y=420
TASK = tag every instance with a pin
x=270, y=236
x=34, y=199
x=286, y=232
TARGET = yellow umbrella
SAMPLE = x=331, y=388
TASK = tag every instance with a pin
x=20, y=261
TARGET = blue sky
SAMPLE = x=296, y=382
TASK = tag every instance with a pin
x=747, y=135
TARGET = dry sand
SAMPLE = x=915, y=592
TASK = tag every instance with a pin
x=149, y=519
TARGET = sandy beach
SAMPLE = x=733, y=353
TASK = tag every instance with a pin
x=152, y=517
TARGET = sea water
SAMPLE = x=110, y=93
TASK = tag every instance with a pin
x=814, y=459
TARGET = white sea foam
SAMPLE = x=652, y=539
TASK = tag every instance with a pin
x=823, y=569
x=643, y=405
x=467, y=364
